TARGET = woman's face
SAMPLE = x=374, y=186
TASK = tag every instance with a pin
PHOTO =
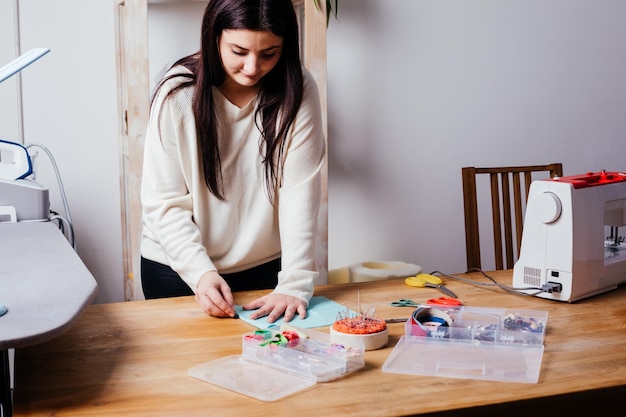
x=248, y=55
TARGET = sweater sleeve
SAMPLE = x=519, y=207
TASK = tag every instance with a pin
x=166, y=201
x=299, y=197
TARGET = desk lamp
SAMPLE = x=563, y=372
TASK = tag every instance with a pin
x=21, y=62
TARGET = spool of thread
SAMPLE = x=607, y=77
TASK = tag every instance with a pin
x=427, y=320
x=381, y=270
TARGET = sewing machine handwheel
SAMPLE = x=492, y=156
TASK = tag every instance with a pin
x=547, y=207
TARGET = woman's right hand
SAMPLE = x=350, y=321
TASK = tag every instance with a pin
x=214, y=295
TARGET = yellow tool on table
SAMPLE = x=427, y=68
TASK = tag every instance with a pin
x=427, y=280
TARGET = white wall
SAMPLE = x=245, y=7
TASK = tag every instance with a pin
x=418, y=89
x=173, y=32
x=9, y=126
x=70, y=106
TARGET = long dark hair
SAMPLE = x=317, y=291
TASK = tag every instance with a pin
x=281, y=89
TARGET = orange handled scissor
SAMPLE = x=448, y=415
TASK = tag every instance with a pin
x=427, y=280
x=444, y=301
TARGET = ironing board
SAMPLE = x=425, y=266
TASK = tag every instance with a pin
x=44, y=286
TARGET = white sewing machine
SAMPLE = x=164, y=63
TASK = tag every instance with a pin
x=571, y=240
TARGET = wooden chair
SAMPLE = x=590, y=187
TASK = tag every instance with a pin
x=504, y=182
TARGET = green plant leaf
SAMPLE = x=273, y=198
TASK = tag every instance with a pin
x=331, y=8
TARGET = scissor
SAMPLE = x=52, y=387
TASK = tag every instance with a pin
x=404, y=302
x=427, y=280
x=444, y=301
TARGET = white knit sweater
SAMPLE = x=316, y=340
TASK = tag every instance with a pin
x=187, y=228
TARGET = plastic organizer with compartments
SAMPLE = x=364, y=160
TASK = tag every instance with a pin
x=497, y=344
x=275, y=363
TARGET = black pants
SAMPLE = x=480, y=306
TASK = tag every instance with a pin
x=160, y=281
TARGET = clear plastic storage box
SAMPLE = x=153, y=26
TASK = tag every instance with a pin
x=471, y=342
x=269, y=370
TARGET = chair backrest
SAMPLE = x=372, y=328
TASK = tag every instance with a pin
x=507, y=213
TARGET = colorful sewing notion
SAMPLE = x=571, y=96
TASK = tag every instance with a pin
x=427, y=280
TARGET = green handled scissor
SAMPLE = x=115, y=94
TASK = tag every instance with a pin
x=404, y=302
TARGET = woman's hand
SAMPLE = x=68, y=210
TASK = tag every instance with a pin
x=274, y=305
x=214, y=295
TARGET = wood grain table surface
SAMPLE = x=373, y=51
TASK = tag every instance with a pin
x=132, y=359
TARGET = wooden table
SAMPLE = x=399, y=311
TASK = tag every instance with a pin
x=131, y=359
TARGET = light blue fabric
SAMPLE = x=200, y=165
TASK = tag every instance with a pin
x=321, y=312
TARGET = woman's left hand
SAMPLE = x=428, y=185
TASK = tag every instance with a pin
x=274, y=305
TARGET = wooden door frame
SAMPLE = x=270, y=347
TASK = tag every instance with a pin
x=134, y=104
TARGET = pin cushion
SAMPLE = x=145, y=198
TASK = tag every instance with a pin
x=369, y=332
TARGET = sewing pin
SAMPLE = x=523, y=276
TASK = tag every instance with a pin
x=400, y=320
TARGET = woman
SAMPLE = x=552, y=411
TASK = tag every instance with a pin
x=232, y=167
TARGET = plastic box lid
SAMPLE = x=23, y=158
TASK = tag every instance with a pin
x=257, y=380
